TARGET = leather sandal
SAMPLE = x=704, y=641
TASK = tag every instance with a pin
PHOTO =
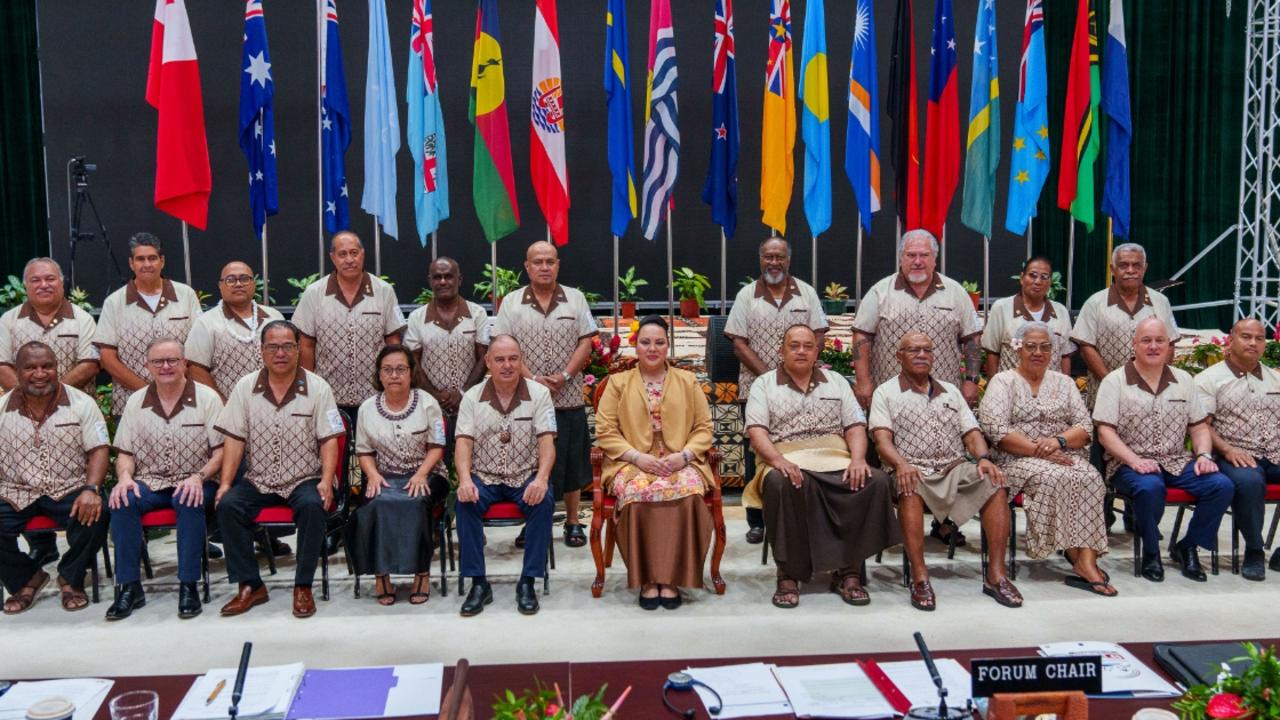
x=421, y=589
x=952, y=529
x=922, y=597
x=1004, y=592
x=787, y=594
x=849, y=587
x=24, y=598
x=574, y=535
x=386, y=592
x=73, y=599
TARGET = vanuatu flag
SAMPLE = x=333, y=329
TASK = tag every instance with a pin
x=493, y=185
x=1080, y=140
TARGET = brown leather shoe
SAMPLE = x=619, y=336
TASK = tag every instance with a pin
x=244, y=600
x=304, y=606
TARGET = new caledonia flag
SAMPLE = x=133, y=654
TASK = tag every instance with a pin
x=721, y=188
x=493, y=185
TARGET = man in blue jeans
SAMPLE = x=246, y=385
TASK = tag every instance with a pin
x=1243, y=397
x=1144, y=412
x=505, y=448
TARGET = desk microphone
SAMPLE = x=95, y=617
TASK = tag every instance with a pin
x=942, y=712
x=238, y=689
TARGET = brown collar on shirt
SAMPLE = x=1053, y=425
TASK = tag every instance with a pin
x=152, y=402
x=262, y=386
x=64, y=312
x=557, y=297
x=763, y=291
x=935, y=284
x=167, y=295
x=363, y=290
x=1241, y=372
x=1020, y=309
x=934, y=388
x=434, y=316
x=1113, y=298
x=17, y=402
x=1133, y=377
x=232, y=315
x=816, y=378
x=490, y=395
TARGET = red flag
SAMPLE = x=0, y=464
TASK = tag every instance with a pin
x=1077, y=107
x=904, y=111
x=546, y=124
x=942, y=133
x=183, y=178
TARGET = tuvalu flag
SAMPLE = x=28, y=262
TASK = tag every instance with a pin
x=183, y=177
x=815, y=118
x=1115, y=103
x=1080, y=120
x=546, y=124
x=778, y=134
x=617, y=90
x=1029, y=161
x=982, y=148
x=493, y=187
x=661, y=121
x=942, y=136
x=904, y=111
x=721, y=188
x=425, y=126
x=862, y=139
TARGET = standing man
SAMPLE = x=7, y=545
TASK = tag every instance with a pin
x=761, y=314
x=284, y=422
x=225, y=342
x=147, y=308
x=553, y=324
x=53, y=458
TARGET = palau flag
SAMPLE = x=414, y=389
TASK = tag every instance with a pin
x=1029, y=161
x=862, y=140
x=493, y=181
x=1115, y=103
x=815, y=120
x=617, y=91
x=426, y=126
x=257, y=126
x=942, y=133
x=1080, y=138
x=335, y=123
x=982, y=153
x=778, y=134
x=661, y=127
x=381, y=125
x=721, y=188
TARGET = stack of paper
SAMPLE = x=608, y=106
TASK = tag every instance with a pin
x=369, y=692
x=86, y=694
x=268, y=692
x=748, y=690
x=840, y=690
x=1123, y=675
x=913, y=681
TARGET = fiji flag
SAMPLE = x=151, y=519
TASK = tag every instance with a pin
x=334, y=122
x=426, y=126
x=257, y=126
x=1029, y=162
x=862, y=140
x=721, y=188
x=815, y=120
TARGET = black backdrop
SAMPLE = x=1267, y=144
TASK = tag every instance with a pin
x=94, y=59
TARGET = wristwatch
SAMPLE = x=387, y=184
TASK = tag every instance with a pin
x=972, y=378
x=567, y=377
x=1062, y=442
x=1204, y=455
x=984, y=456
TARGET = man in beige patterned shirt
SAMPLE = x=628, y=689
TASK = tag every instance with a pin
x=49, y=317
x=224, y=344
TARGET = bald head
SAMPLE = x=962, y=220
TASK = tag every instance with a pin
x=504, y=361
x=503, y=343
x=1150, y=325
x=539, y=248
x=1247, y=343
x=914, y=337
x=542, y=263
x=799, y=331
x=1150, y=344
x=1251, y=325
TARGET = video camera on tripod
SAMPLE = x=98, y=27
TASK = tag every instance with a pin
x=78, y=196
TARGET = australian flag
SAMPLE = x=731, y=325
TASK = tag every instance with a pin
x=721, y=188
x=335, y=123
x=257, y=126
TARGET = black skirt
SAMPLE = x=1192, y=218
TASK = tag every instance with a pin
x=393, y=531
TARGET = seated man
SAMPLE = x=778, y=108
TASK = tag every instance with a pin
x=53, y=458
x=284, y=422
x=923, y=427
x=810, y=436
x=505, y=447
x=1144, y=411
x=167, y=457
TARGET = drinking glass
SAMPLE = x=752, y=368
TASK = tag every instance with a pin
x=135, y=705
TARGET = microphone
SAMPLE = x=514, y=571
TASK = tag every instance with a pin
x=238, y=689
x=933, y=673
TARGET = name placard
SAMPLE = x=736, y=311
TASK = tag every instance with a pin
x=1036, y=674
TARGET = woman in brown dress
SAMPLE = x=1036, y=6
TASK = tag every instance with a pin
x=654, y=426
x=1040, y=427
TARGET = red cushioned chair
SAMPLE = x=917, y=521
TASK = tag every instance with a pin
x=1272, y=497
x=507, y=514
x=167, y=519
x=1173, y=498
x=44, y=522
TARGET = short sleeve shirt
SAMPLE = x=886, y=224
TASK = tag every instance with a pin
x=1152, y=422
x=348, y=337
x=282, y=439
x=70, y=333
x=47, y=458
x=1009, y=406
x=548, y=336
x=789, y=413
x=760, y=320
x=129, y=325
x=168, y=448
x=928, y=429
x=1009, y=314
x=1245, y=406
x=505, y=440
x=227, y=346
x=890, y=309
x=398, y=441
x=448, y=348
x=1107, y=324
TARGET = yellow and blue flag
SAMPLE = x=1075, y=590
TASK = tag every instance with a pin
x=617, y=91
x=982, y=153
x=778, y=129
x=815, y=122
x=1029, y=162
x=862, y=139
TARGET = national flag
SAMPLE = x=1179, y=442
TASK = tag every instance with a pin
x=335, y=123
x=721, y=188
x=661, y=121
x=1029, y=161
x=862, y=139
x=546, y=124
x=815, y=118
x=1115, y=102
x=778, y=141
x=982, y=147
x=426, y=126
x=905, y=113
x=617, y=90
x=381, y=124
x=942, y=133
x=493, y=187
x=257, y=125
x=1080, y=139
x=183, y=177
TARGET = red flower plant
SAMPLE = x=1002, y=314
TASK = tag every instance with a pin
x=1225, y=705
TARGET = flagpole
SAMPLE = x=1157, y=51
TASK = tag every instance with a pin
x=1071, y=260
x=671, y=293
x=857, y=271
x=266, y=295
x=1029, y=234
x=1110, y=242
x=724, y=274
x=986, y=272
x=186, y=251
x=493, y=280
x=434, y=252
x=942, y=250
x=377, y=248
x=815, y=261
x=320, y=131
x=615, y=285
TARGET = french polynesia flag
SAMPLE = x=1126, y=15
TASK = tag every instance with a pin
x=183, y=178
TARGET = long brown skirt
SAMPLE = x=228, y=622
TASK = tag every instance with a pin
x=822, y=526
x=665, y=542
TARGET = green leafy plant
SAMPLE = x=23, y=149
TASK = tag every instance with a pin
x=629, y=285
x=969, y=286
x=591, y=297
x=1056, y=287
x=544, y=703
x=835, y=292
x=508, y=281
x=203, y=298
x=837, y=357
x=80, y=298
x=301, y=284
x=424, y=297
x=745, y=281
x=13, y=293
x=257, y=291
x=1255, y=693
x=690, y=285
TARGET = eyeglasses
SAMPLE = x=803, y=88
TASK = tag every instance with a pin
x=1038, y=347
x=165, y=362
x=771, y=257
x=918, y=350
x=238, y=280
x=396, y=371
x=273, y=348
x=1039, y=276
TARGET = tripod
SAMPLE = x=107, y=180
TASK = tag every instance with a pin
x=78, y=174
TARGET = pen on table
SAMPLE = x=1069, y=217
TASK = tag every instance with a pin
x=216, y=689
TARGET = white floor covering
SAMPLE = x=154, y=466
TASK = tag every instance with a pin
x=572, y=626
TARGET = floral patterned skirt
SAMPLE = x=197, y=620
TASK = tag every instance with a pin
x=631, y=484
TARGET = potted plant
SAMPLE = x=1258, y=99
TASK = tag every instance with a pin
x=1255, y=693
x=544, y=703
x=1055, y=284
x=838, y=358
x=507, y=282
x=424, y=297
x=690, y=286
x=834, y=297
x=974, y=295
x=629, y=291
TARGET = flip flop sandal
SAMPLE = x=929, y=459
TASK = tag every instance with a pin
x=574, y=536
x=25, y=601
x=852, y=594
x=386, y=599
x=1004, y=593
x=782, y=593
x=922, y=597
x=1096, y=588
x=1106, y=577
x=420, y=596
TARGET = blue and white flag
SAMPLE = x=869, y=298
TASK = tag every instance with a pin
x=661, y=126
x=426, y=126
x=257, y=126
x=1115, y=103
x=335, y=123
x=862, y=139
x=721, y=188
x=381, y=124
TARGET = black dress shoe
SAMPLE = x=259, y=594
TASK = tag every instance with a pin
x=43, y=553
x=214, y=551
x=1275, y=560
x=755, y=535
x=1152, y=568
x=481, y=594
x=1189, y=560
x=649, y=603
x=520, y=539
x=670, y=603
x=129, y=597
x=1255, y=565
x=526, y=598
x=331, y=544
x=188, y=601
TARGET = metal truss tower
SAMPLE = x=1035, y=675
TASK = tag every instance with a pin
x=1257, y=282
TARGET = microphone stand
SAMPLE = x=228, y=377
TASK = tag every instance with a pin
x=238, y=690
x=933, y=673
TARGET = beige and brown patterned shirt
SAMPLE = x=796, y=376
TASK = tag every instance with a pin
x=47, y=458
x=548, y=337
x=1152, y=422
x=1008, y=405
x=398, y=441
x=1245, y=406
x=70, y=334
x=282, y=439
x=789, y=413
x=928, y=429
x=168, y=449
x=448, y=349
x=1107, y=324
x=1009, y=314
x=890, y=309
x=348, y=337
x=226, y=346
x=762, y=322
x=129, y=325
x=505, y=440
